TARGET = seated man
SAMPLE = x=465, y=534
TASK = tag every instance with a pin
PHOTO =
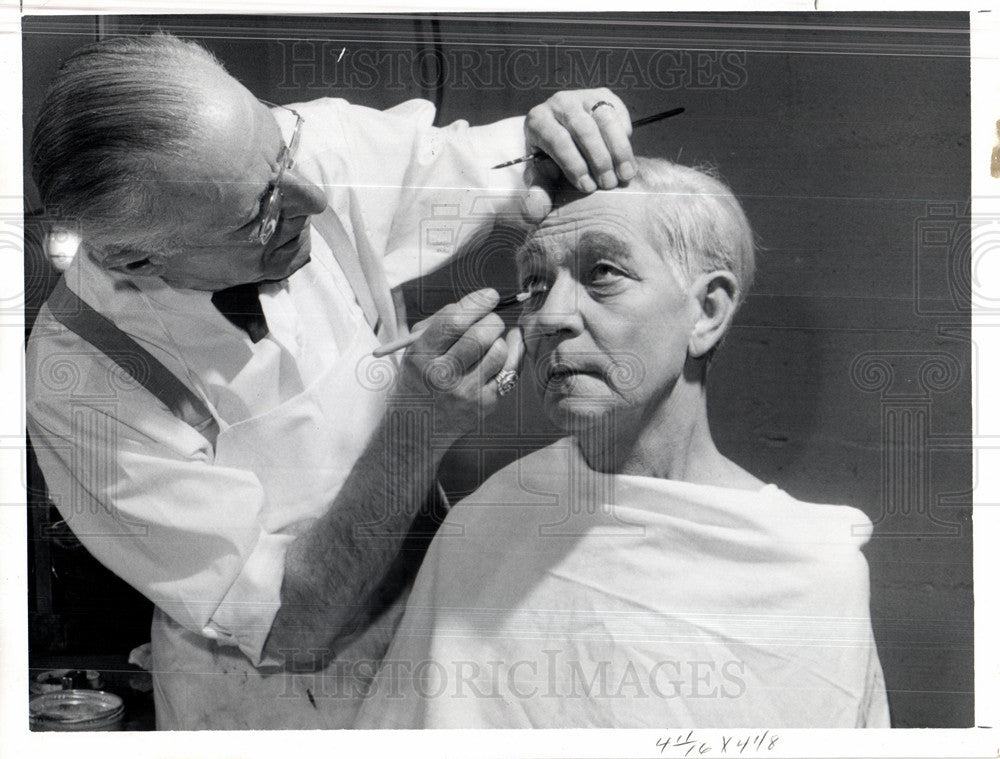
x=630, y=575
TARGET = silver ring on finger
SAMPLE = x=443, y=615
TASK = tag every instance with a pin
x=506, y=380
x=599, y=103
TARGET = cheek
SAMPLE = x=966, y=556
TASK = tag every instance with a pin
x=646, y=350
x=213, y=268
x=626, y=355
x=661, y=373
x=534, y=358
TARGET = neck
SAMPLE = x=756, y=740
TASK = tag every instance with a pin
x=673, y=442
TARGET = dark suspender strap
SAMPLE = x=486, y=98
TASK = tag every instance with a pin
x=79, y=317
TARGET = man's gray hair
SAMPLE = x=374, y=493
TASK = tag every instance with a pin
x=114, y=109
x=696, y=217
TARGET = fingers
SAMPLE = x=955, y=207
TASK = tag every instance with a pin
x=615, y=127
x=537, y=204
x=458, y=350
x=457, y=344
x=506, y=379
x=590, y=145
x=515, y=349
x=549, y=132
x=451, y=323
x=598, y=136
x=474, y=345
x=491, y=364
x=456, y=360
x=501, y=379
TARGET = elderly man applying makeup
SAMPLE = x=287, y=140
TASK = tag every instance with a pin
x=201, y=391
x=630, y=575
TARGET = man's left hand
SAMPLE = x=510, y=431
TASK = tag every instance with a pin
x=586, y=134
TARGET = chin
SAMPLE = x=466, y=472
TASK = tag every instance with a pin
x=301, y=256
x=298, y=264
x=573, y=415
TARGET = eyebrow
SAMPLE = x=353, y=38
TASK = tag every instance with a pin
x=590, y=244
x=602, y=243
x=253, y=213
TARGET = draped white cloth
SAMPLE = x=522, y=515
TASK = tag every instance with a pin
x=557, y=597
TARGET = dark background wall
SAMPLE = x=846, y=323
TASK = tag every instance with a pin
x=847, y=376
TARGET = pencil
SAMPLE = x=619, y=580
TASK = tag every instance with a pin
x=405, y=342
x=539, y=154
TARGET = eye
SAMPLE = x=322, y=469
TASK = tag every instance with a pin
x=256, y=211
x=251, y=217
x=603, y=274
x=534, y=285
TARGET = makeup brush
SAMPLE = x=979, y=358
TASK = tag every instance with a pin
x=540, y=154
x=404, y=342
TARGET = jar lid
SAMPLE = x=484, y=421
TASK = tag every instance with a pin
x=74, y=708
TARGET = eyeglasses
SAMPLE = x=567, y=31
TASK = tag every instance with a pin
x=271, y=211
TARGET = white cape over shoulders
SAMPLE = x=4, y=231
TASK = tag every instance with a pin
x=558, y=597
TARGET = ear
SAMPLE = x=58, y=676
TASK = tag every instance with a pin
x=717, y=293
x=133, y=261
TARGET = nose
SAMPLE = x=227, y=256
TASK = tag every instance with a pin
x=301, y=197
x=559, y=313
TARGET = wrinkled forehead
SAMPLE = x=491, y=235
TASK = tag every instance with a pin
x=611, y=222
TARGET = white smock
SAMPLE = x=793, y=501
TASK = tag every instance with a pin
x=202, y=532
x=556, y=597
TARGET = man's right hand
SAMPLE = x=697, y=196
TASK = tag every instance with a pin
x=460, y=350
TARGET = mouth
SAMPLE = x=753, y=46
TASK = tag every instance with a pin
x=294, y=241
x=559, y=374
x=285, y=259
x=291, y=248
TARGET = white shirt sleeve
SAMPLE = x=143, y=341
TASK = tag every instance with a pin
x=424, y=190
